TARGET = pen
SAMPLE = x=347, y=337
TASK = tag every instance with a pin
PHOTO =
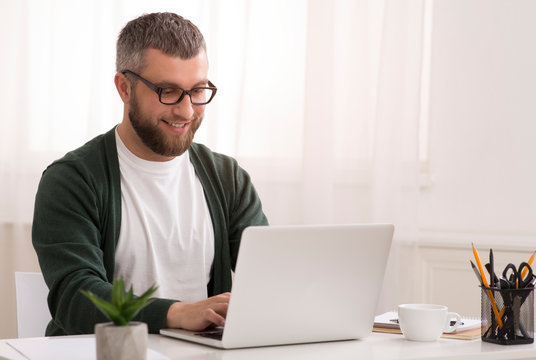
x=485, y=282
x=524, y=272
x=492, y=270
x=476, y=272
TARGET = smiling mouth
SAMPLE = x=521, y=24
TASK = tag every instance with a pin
x=180, y=126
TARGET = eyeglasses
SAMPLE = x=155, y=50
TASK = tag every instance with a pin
x=174, y=95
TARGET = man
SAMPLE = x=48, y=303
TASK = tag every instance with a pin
x=142, y=201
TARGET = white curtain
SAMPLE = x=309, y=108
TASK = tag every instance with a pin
x=319, y=101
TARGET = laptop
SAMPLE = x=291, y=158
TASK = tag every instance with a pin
x=302, y=284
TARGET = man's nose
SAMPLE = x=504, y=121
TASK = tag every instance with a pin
x=185, y=108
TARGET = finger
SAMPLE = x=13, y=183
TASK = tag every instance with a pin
x=221, y=298
x=225, y=295
x=213, y=317
x=220, y=308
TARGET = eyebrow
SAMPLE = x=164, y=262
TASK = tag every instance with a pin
x=203, y=82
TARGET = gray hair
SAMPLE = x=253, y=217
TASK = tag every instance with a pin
x=167, y=32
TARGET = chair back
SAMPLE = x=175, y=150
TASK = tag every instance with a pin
x=32, y=308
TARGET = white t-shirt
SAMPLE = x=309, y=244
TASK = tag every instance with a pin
x=166, y=235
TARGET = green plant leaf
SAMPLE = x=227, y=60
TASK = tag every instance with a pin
x=132, y=308
x=107, y=308
x=130, y=295
x=150, y=291
x=118, y=293
x=124, y=306
x=130, y=311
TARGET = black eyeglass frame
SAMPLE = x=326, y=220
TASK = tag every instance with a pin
x=158, y=90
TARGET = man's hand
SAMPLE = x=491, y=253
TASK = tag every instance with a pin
x=199, y=315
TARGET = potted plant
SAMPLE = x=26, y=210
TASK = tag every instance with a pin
x=121, y=338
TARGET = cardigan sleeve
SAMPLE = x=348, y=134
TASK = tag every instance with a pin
x=65, y=235
x=75, y=247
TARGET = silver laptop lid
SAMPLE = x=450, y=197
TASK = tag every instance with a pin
x=297, y=284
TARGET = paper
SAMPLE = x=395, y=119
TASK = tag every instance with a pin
x=65, y=348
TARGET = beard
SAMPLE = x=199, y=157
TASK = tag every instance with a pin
x=156, y=138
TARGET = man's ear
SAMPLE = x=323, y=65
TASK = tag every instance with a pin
x=122, y=85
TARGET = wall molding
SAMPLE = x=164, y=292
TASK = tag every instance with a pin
x=510, y=241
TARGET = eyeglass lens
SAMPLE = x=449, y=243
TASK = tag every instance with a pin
x=198, y=96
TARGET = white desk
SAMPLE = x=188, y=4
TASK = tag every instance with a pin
x=375, y=347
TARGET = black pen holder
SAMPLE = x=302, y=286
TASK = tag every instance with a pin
x=514, y=308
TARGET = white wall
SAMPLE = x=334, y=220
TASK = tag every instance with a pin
x=482, y=145
x=482, y=139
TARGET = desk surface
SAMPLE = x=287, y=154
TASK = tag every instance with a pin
x=375, y=347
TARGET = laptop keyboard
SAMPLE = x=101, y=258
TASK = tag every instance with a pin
x=212, y=334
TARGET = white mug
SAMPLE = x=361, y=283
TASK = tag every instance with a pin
x=426, y=322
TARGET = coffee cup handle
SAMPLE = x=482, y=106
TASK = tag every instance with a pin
x=450, y=317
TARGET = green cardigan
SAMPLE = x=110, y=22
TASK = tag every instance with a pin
x=77, y=219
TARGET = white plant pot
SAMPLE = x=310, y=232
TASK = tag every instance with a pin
x=121, y=342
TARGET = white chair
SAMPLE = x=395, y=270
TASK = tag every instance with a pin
x=32, y=309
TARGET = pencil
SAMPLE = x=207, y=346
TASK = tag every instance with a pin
x=524, y=272
x=486, y=284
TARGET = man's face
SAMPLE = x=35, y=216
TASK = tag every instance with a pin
x=166, y=131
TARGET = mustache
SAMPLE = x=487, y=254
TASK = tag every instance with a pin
x=180, y=119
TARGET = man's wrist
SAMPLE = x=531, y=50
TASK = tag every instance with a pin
x=173, y=315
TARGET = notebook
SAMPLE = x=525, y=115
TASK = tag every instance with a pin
x=469, y=330
x=302, y=284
